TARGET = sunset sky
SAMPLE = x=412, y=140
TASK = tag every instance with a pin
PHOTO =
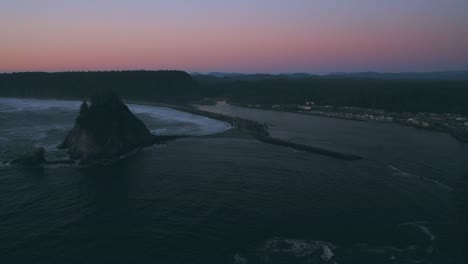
x=249, y=36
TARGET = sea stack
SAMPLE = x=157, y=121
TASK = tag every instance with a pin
x=105, y=129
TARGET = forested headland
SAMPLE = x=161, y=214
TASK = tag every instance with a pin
x=165, y=86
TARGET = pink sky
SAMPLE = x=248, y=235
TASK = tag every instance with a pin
x=248, y=36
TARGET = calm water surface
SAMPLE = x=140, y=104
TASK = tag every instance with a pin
x=436, y=155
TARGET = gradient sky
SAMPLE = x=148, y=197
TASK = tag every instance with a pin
x=316, y=36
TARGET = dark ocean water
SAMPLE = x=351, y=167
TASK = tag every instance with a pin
x=231, y=200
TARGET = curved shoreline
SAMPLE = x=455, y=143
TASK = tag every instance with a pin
x=255, y=129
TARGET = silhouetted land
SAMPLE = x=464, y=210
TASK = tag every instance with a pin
x=165, y=86
x=390, y=94
x=396, y=95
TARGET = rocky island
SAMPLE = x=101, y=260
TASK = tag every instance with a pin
x=105, y=129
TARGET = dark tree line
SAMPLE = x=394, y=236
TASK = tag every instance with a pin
x=450, y=96
x=166, y=86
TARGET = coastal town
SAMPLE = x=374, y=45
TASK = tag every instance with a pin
x=455, y=124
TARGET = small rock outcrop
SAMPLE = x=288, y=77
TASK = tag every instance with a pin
x=35, y=157
x=105, y=129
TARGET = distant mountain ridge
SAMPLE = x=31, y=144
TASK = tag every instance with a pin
x=439, y=75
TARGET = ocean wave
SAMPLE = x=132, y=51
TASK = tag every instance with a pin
x=410, y=242
x=422, y=226
x=397, y=172
x=60, y=159
x=5, y=164
x=301, y=248
x=239, y=259
x=417, y=234
x=22, y=104
x=200, y=125
x=289, y=250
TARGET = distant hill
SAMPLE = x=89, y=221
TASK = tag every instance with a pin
x=225, y=74
x=144, y=85
x=442, y=75
x=253, y=76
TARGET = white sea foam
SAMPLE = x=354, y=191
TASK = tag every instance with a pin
x=196, y=125
x=327, y=254
x=423, y=227
x=400, y=173
x=202, y=125
x=5, y=164
x=238, y=259
x=20, y=104
x=301, y=248
x=316, y=251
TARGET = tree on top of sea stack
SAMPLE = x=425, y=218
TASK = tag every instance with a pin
x=105, y=129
